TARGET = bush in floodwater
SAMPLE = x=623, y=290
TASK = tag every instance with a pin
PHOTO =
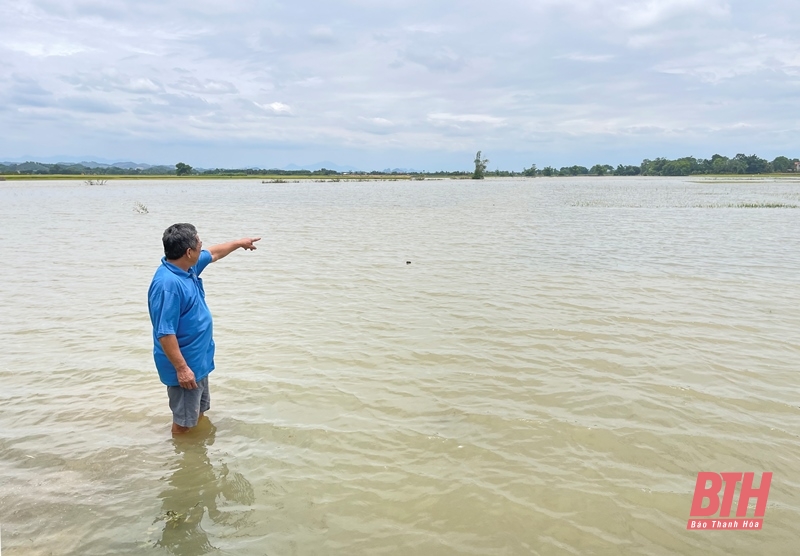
x=763, y=205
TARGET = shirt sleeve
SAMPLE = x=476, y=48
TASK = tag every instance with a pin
x=203, y=261
x=165, y=311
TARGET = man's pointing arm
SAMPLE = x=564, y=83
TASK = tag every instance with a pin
x=225, y=249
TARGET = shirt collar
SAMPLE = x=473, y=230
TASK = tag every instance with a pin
x=176, y=269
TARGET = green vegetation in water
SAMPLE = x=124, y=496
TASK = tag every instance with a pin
x=763, y=205
x=480, y=167
x=748, y=206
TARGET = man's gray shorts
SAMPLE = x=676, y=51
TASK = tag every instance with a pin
x=187, y=405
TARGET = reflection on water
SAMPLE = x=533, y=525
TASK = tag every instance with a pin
x=196, y=489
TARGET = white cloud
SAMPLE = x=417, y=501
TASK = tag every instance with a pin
x=741, y=57
x=323, y=34
x=465, y=118
x=655, y=12
x=42, y=50
x=207, y=86
x=310, y=82
x=88, y=104
x=636, y=14
x=140, y=85
x=112, y=80
x=437, y=59
x=563, y=77
x=277, y=108
x=591, y=58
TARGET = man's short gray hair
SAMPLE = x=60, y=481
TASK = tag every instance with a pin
x=177, y=239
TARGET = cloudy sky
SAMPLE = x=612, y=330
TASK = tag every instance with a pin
x=401, y=83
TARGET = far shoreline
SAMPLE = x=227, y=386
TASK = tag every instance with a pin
x=273, y=178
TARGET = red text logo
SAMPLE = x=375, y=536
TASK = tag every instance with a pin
x=714, y=496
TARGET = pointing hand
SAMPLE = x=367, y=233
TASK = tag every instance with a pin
x=247, y=243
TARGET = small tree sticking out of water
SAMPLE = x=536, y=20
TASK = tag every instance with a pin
x=480, y=167
x=182, y=169
x=530, y=172
x=141, y=208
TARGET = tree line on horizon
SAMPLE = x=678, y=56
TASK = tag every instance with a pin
x=686, y=166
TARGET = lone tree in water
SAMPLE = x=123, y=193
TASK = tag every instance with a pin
x=480, y=167
x=182, y=169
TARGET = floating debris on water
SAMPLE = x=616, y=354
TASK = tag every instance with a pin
x=173, y=518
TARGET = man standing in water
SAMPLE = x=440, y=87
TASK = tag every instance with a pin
x=182, y=328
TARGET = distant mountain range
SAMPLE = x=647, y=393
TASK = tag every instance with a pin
x=327, y=165
x=95, y=162
x=90, y=161
x=87, y=164
x=124, y=165
x=399, y=171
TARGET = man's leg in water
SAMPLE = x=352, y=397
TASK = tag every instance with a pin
x=188, y=406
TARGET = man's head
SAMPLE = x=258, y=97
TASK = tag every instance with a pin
x=178, y=239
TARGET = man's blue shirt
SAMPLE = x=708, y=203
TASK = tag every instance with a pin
x=177, y=304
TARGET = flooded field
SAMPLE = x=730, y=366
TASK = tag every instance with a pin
x=536, y=366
